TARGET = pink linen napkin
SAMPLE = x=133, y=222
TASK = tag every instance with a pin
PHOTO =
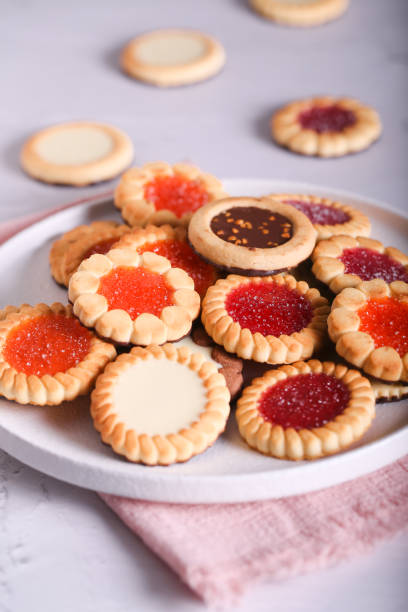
x=219, y=550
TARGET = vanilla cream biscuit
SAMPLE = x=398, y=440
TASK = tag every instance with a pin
x=77, y=153
x=301, y=13
x=168, y=58
x=160, y=405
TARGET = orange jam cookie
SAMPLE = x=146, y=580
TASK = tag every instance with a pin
x=80, y=243
x=171, y=242
x=47, y=356
x=369, y=324
x=326, y=126
x=306, y=410
x=160, y=405
x=272, y=319
x=159, y=193
x=328, y=217
x=132, y=298
x=343, y=261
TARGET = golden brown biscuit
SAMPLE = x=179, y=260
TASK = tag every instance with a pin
x=306, y=410
x=301, y=13
x=77, y=153
x=160, y=405
x=328, y=217
x=47, y=356
x=369, y=324
x=251, y=236
x=80, y=243
x=272, y=319
x=168, y=58
x=326, y=126
x=343, y=261
x=132, y=298
x=159, y=193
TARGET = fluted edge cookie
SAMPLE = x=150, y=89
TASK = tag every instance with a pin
x=329, y=218
x=160, y=405
x=326, y=126
x=169, y=58
x=251, y=236
x=388, y=392
x=33, y=378
x=171, y=322
x=304, y=336
x=369, y=324
x=336, y=418
x=158, y=184
x=68, y=251
x=343, y=261
x=300, y=14
x=77, y=153
x=171, y=242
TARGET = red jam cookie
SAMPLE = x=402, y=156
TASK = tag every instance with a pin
x=160, y=193
x=269, y=309
x=306, y=410
x=268, y=319
x=132, y=298
x=171, y=242
x=80, y=243
x=343, y=261
x=331, y=118
x=329, y=218
x=47, y=356
x=369, y=324
x=327, y=127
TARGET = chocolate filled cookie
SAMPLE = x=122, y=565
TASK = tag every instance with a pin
x=251, y=236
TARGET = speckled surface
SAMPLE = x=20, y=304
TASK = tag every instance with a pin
x=60, y=547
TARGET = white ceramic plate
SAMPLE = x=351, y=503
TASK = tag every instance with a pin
x=61, y=441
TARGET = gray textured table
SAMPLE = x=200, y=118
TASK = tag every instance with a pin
x=60, y=548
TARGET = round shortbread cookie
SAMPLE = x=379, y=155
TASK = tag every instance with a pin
x=77, y=153
x=160, y=405
x=325, y=126
x=301, y=13
x=168, y=58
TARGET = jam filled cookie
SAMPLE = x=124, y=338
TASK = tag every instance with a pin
x=160, y=424
x=306, y=410
x=47, y=356
x=77, y=153
x=343, y=261
x=80, y=243
x=132, y=298
x=271, y=319
x=159, y=193
x=168, y=58
x=301, y=13
x=171, y=242
x=369, y=324
x=388, y=392
x=251, y=236
x=329, y=218
x=327, y=127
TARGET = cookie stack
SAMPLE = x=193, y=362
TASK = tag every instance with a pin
x=262, y=274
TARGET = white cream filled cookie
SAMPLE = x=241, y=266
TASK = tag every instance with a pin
x=77, y=153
